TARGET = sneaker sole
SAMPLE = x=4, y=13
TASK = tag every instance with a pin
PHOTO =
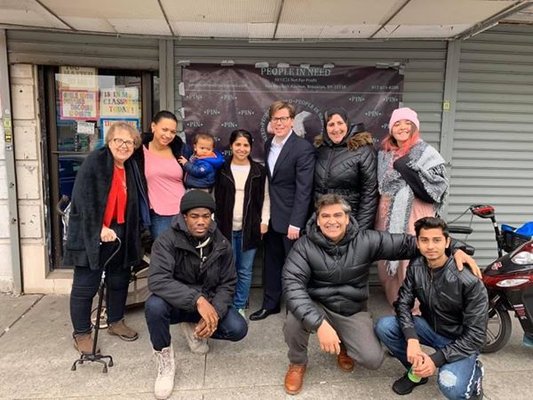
x=413, y=388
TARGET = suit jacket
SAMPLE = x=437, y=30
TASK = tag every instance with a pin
x=291, y=183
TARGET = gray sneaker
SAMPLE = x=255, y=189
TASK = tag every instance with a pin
x=166, y=369
x=197, y=345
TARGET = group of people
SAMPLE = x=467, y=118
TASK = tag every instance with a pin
x=207, y=216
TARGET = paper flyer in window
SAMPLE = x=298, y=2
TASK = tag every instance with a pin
x=77, y=78
x=105, y=123
x=85, y=128
x=78, y=104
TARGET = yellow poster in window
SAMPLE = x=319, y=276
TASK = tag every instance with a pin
x=120, y=102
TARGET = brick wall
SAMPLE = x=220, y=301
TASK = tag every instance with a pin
x=31, y=207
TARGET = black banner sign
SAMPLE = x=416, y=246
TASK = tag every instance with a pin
x=221, y=99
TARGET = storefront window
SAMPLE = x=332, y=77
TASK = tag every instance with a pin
x=87, y=102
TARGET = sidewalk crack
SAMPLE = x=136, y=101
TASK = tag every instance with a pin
x=21, y=316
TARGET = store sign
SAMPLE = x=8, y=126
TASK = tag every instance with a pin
x=78, y=104
x=220, y=100
x=120, y=102
x=77, y=78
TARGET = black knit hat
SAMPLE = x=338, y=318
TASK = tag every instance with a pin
x=196, y=199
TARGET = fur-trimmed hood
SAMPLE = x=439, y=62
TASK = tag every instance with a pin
x=352, y=140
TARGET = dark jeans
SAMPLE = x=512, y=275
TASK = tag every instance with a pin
x=277, y=246
x=85, y=286
x=460, y=379
x=159, y=223
x=160, y=314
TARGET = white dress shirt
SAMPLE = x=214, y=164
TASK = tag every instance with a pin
x=275, y=150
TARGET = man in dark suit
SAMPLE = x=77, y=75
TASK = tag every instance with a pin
x=290, y=162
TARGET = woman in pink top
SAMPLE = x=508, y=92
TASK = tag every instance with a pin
x=162, y=175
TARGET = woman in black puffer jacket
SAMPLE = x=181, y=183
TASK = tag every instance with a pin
x=346, y=165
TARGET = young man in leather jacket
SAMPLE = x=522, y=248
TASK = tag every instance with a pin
x=454, y=318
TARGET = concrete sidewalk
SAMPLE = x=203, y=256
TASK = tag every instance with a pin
x=36, y=354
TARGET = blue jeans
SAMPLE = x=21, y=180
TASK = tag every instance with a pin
x=244, y=262
x=159, y=223
x=457, y=380
x=160, y=314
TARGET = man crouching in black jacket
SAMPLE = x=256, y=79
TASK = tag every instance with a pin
x=192, y=277
x=325, y=283
x=454, y=318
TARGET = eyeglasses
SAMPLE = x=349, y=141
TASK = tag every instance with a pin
x=280, y=119
x=119, y=142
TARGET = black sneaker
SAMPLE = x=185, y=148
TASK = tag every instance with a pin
x=478, y=395
x=404, y=385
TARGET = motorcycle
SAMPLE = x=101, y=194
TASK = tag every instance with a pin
x=509, y=281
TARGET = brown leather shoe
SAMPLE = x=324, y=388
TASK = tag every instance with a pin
x=123, y=331
x=294, y=378
x=344, y=361
x=83, y=342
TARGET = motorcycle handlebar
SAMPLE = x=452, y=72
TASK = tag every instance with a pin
x=482, y=210
x=460, y=230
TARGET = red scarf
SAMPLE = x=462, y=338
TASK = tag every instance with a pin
x=115, y=209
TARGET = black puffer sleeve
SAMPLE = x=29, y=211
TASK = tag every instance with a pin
x=295, y=279
x=368, y=184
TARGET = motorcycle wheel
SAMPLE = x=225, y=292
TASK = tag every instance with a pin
x=498, y=330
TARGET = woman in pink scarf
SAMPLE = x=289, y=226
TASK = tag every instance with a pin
x=412, y=182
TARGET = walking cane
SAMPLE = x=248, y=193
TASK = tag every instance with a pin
x=94, y=356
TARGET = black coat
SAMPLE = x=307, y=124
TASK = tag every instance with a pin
x=291, y=184
x=89, y=200
x=254, y=196
x=336, y=275
x=453, y=302
x=349, y=169
x=178, y=275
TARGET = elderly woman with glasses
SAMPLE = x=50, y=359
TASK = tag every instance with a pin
x=105, y=206
x=162, y=175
